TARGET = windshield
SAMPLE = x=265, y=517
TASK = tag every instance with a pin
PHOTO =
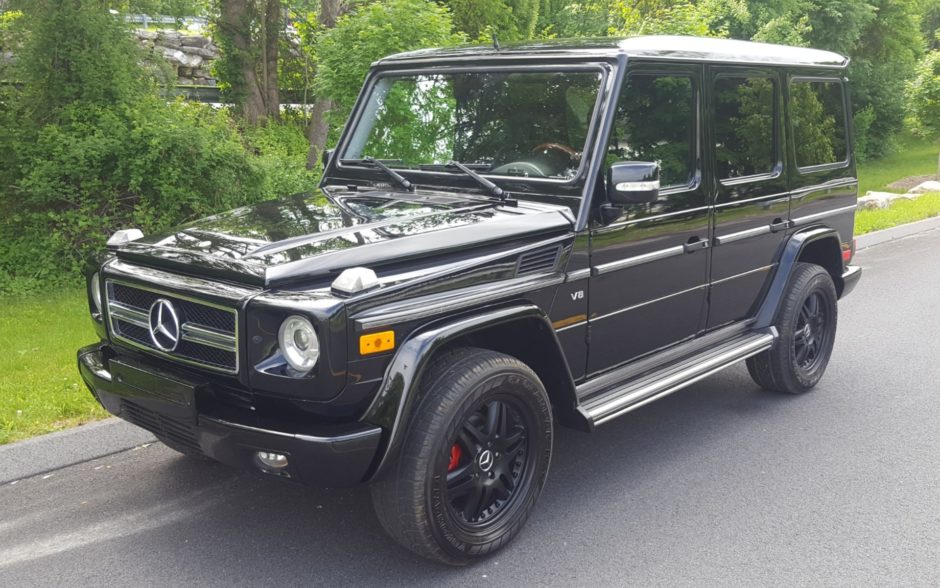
x=531, y=124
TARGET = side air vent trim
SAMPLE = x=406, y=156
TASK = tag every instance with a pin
x=538, y=261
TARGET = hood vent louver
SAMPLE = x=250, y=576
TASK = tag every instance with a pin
x=540, y=260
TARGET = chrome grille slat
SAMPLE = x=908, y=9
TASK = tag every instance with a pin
x=208, y=332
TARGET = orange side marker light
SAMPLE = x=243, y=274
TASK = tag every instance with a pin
x=376, y=342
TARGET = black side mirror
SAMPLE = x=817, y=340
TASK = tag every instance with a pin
x=325, y=156
x=633, y=182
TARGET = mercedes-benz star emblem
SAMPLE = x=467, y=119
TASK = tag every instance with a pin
x=485, y=460
x=164, y=325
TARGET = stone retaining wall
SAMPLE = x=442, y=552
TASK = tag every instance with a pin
x=191, y=55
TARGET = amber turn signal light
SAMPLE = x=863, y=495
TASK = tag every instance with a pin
x=376, y=342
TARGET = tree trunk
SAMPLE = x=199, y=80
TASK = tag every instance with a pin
x=272, y=30
x=236, y=20
x=319, y=129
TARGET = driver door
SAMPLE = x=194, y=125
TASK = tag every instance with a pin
x=649, y=276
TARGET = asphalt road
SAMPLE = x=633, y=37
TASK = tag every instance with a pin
x=718, y=484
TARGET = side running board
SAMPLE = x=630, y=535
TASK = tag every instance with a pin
x=619, y=400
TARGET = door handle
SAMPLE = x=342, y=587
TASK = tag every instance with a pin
x=779, y=225
x=695, y=244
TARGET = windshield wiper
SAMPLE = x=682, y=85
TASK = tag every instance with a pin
x=399, y=179
x=490, y=186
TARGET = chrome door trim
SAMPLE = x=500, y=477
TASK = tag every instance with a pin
x=820, y=215
x=620, y=264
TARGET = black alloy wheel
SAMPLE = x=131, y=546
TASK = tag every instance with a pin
x=474, y=460
x=810, y=333
x=487, y=463
x=806, y=325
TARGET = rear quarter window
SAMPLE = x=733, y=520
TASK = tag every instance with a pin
x=818, y=119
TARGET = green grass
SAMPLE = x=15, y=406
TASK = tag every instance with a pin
x=40, y=389
x=901, y=212
x=913, y=157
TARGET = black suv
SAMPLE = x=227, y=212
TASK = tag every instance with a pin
x=504, y=239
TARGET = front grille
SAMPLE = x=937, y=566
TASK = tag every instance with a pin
x=206, y=335
x=164, y=427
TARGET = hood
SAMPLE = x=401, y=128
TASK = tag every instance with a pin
x=313, y=235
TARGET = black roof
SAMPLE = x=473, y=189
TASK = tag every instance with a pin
x=649, y=47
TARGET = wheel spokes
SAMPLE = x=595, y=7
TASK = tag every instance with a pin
x=471, y=437
x=477, y=501
x=461, y=481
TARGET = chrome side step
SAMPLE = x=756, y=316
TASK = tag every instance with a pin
x=617, y=401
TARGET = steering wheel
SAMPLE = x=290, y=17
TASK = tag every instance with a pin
x=559, y=147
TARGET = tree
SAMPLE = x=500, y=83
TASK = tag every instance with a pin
x=319, y=128
x=510, y=20
x=923, y=98
x=359, y=37
x=248, y=33
x=75, y=52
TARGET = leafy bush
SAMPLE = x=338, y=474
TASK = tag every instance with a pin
x=149, y=165
x=86, y=149
x=923, y=96
x=279, y=152
x=370, y=33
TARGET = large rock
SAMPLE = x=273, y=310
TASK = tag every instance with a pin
x=169, y=38
x=925, y=188
x=193, y=41
x=200, y=51
x=875, y=200
x=177, y=57
x=144, y=34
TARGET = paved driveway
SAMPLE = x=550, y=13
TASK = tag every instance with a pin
x=717, y=484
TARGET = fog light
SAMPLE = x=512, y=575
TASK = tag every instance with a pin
x=272, y=461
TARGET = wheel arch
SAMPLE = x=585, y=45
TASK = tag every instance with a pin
x=522, y=331
x=817, y=245
x=826, y=253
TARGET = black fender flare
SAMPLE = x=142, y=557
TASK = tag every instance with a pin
x=399, y=394
x=792, y=250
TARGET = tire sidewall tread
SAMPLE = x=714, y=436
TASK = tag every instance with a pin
x=405, y=497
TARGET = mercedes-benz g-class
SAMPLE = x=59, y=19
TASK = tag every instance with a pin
x=504, y=240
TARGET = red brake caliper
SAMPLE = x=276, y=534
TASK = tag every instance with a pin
x=454, y=457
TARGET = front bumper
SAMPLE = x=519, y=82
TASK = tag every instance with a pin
x=327, y=456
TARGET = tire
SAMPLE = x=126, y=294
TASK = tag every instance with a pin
x=458, y=505
x=806, y=323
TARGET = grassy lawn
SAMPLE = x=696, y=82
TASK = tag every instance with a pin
x=40, y=389
x=900, y=213
x=913, y=157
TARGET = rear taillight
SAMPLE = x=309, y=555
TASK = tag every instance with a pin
x=848, y=252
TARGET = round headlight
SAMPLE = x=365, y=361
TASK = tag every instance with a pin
x=299, y=343
x=95, y=287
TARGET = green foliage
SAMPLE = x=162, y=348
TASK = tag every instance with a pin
x=369, y=33
x=863, y=137
x=97, y=155
x=99, y=169
x=923, y=96
x=662, y=17
x=510, y=20
x=75, y=51
x=279, y=151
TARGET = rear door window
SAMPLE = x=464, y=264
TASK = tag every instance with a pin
x=744, y=126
